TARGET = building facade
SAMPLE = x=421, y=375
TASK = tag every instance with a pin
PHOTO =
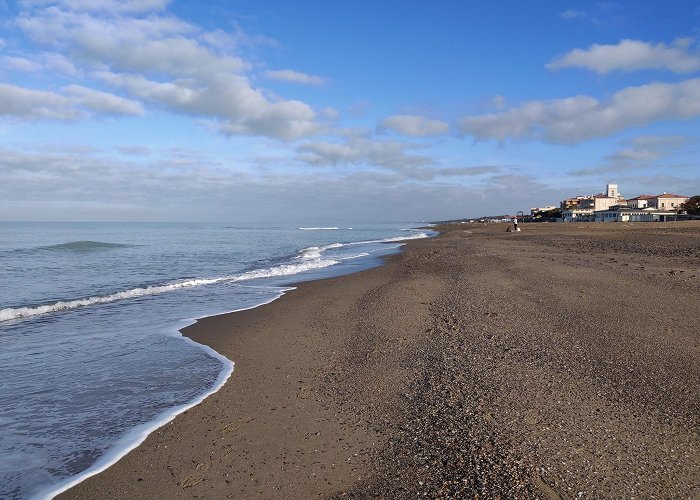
x=640, y=201
x=628, y=214
x=598, y=202
x=667, y=201
x=611, y=206
x=577, y=215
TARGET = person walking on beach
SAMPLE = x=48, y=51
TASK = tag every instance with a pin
x=515, y=223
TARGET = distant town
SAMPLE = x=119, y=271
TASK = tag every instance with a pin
x=609, y=206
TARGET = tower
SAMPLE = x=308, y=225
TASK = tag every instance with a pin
x=611, y=191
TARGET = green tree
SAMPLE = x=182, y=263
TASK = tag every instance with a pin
x=692, y=206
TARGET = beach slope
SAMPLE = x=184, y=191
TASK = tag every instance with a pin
x=559, y=362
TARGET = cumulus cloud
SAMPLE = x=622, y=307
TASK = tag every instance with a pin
x=21, y=103
x=363, y=151
x=230, y=98
x=638, y=154
x=395, y=156
x=20, y=64
x=671, y=183
x=291, y=76
x=111, y=6
x=74, y=103
x=582, y=118
x=414, y=125
x=103, y=102
x=191, y=185
x=632, y=55
x=330, y=113
x=60, y=64
x=161, y=61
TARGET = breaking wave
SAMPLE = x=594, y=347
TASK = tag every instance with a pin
x=282, y=270
x=308, y=259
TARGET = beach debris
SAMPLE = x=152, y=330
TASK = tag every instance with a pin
x=230, y=428
x=192, y=481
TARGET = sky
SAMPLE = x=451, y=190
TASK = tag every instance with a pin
x=318, y=112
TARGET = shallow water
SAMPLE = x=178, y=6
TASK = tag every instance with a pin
x=90, y=355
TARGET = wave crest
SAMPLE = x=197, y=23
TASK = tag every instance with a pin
x=14, y=313
x=306, y=260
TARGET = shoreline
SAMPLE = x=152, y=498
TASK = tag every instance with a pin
x=337, y=381
x=136, y=436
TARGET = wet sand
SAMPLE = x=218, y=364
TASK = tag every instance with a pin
x=559, y=362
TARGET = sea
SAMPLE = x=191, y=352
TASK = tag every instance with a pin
x=91, y=358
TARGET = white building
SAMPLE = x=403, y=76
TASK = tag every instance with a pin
x=667, y=201
x=577, y=215
x=640, y=201
x=612, y=192
x=628, y=214
x=537, y=210
x=599, y=202
x=611, y=206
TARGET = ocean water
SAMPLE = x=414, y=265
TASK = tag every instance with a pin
x=91, y=359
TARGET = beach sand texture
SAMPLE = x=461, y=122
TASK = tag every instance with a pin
x=559, y=362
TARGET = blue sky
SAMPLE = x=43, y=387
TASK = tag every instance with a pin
x=328, y=112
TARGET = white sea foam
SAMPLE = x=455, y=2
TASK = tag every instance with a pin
x=138, y=434
x=10, y=314
x=417, y=236
x=350, y=257
x=25, y=312
x=310, y=259
x=315, y=252
x=283, y=270
x=318, y=228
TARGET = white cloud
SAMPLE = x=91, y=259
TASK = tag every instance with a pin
x=330, y=113
x=240, y=108
x=572, y=14
x=397, y=157
x=103, y=102
x=59, y=64
x=161, y=61
x=94, y=35
x=26, y=104
x=604, y=13
x=134, y=150
x=110, y=6
x=362, y=151
x=414, y=125
x=466, y=171
x=74, y=103
x=581, y=118
x=291, y=76
x=631, y=55
x=20, y=64
x=498, y=102
x=639, y=154
x=191, y=185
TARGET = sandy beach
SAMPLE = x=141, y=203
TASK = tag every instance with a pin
x=559, y=362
